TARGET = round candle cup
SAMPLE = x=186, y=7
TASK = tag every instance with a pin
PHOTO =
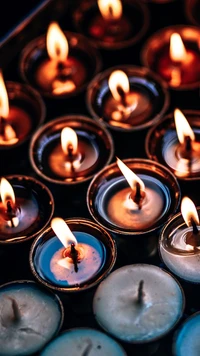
x=148, y=100
x=30, y=317
x=95, y=148
x=82, y=340
x=186, y=339
x=33, y=209
x=139, y=303
x=192, y=11
x=112, y=34
x=181, y=258
x=98, y=256
x=162, y=145
x=155, y=55
x=26, y=113
x=84, y=59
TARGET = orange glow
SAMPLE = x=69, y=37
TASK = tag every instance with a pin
x=131, y=177
x=6, y=192
x=63, y=232
x=4, y=104
x=118, y=79
x=182, y=126
x=189, y=211
x=178, y=52
x=57, y=45
x=110, y=9
x=69, y=138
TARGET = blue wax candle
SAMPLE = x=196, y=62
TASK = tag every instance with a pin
x=30, y=317
x=82, y=341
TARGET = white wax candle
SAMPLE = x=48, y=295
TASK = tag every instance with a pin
x=118, y=311
x=187, y=340
x=39, y=318
x=82, y=341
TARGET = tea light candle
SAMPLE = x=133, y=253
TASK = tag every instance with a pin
x=138, y=303
x=179, y=243
x=21, y=111
x=175, y=141
x=26, y=207
x=59, y=65
x=72, y=261
x=70, y=149
x=126, y=98
x=112, y=24
x=83, y=341
x=30, y=317
x=140, y=206
x=173, y=53
x=186, y=340
x=192, y=11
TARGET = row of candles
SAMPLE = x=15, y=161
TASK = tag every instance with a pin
x=129, y=199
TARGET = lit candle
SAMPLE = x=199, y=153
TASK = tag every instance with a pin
x=59, y=64
x=112, y=24
x=30, y=317
x=173, y=53
x=138, y=303
x=180, y=243
x=83, y=342
x=72, y=260
x=26, y=207
x=127, y=98
x=70, y=149
x=176, y=142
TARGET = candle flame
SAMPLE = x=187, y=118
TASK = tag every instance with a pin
x=4, y=104
x=69, y=139
x=110, y=9
x=6, y=192
x=57, y=44
x=182, y=126
x=118, y=80
x=63, y=232
x=130, y=176
x=178, y=52
x=189, y=211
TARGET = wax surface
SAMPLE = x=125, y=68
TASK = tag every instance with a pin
x=49, y=254
x=40, y=320
x=188, y=341
x=76, y=342
x=118, y=312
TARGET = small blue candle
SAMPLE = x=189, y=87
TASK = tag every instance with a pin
x=83, y=341
x=30, y=317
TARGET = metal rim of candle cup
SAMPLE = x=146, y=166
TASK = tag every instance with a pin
x=107, y=240
x=53, y=295
x=87, y=329
x=179, y=331
x=67, y=119
x=150, y=138
x=189, y=6
x=159, y=39
x=140, y=342
x=130, y=71
x=93, y=188
x=75, y=41
x=79, y=12
x=42, y=186
x=18, y=91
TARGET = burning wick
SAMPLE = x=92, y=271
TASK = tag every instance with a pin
x=185, y=135
x=137, y=194
x=8, y=199
x=119, y=86
x=140, y=296
x=191, y=218
x=16, y=311
x=69, y=143
x=72, y=250
x=111, y=10
x=178, y=55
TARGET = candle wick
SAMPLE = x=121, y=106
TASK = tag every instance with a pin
x=137, y=196
x=10, y=212
x=194, y=227
x=122, y=95
x=140, y=296
x=71, y=160
x=16, y=311
x=87, y=349
x=187, y=150
x=74, y=256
